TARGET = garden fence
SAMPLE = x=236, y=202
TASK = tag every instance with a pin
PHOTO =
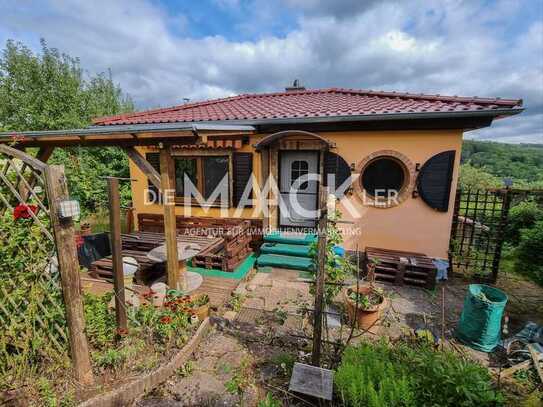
x=480, y=221
x=40, y=306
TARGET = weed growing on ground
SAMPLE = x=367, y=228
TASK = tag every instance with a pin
x=241, y=380
x=285, y=362
x=269, y=401
x=236, y=301
x=185, y=370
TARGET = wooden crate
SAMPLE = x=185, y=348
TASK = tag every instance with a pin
x=399, y=267
x=237, y=234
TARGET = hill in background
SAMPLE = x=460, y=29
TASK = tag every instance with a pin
x=487, y=163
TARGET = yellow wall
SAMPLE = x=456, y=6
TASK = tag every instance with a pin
x=412, y=225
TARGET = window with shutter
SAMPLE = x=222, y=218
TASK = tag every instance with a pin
x=243, y=168
x=434, y=180
x=336, y=169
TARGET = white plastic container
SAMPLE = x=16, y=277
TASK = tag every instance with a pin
x=130, y=266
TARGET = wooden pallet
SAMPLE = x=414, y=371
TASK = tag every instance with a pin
x=399, y=267
x=137, y=245
x=237, y=234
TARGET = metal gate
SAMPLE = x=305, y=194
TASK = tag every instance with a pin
x=36, y=313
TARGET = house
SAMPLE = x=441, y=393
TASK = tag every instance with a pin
x=392, y=159
x=378, y=144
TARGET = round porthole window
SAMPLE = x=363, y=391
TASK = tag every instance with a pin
x=384, y=176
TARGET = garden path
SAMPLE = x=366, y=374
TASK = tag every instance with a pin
x=252, y=346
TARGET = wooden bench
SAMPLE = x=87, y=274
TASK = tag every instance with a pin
x=399, y=267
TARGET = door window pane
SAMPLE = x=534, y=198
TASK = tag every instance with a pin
x=298, y=169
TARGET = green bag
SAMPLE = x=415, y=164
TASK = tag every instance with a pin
x=480, y=322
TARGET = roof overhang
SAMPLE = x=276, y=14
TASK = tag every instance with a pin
x=373, y=117
x=127, y=135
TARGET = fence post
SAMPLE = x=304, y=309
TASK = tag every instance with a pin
x=320, y=279
x=64, y=233
x=504, y=220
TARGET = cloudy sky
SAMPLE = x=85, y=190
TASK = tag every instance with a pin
x=161, y=51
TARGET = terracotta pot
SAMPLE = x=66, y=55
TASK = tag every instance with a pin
x=202, y=312
x=365, y=318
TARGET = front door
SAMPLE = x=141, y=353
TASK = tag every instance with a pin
x=299, y=199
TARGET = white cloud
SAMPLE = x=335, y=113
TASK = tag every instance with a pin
x=448, y=47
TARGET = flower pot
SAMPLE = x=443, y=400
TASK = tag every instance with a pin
x=202, y=312
x=365, y=317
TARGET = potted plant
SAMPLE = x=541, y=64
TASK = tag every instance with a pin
x=200, y=305
x=365, y=302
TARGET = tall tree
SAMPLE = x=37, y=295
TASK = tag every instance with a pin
x=48, y=91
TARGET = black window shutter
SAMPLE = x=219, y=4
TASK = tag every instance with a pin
x=335, y=164
x=434, y=180
x=243, y=168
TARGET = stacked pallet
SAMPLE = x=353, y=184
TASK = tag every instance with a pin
x=137, y=245
x=226, y=256
x=401, y=267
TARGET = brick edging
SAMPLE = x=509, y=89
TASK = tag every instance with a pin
x=128, y=392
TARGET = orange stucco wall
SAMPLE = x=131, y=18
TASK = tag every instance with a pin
x=412, y=225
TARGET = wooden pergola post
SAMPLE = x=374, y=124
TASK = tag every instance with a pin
x=116, y=254
x=176, y=276
x=64, y=233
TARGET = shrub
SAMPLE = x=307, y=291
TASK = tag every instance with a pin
x=442, y=378
x=407, y=375
x=367, y=376
x=522, y=216
x=529, y=252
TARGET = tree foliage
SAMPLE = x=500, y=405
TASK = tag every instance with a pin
x=476, y=178
x=529, y=252
x=521, y=162
x=50, y=91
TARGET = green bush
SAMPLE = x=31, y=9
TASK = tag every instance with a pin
x=369, y=377
x=529, y=252
x=522, y=216
x=411, y=375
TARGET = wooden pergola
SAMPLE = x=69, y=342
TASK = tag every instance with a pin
x=128, y=137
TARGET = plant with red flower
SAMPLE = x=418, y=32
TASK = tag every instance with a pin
x=23, y=211
x=165, y=319
x=79, y=241
x=122, y=332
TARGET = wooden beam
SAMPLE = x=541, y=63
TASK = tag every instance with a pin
x=64, y=232
x=44, y=153
x=176, y=279
x=116, y=254
x=144, y=166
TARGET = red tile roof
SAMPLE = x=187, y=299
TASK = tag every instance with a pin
x=310, y=103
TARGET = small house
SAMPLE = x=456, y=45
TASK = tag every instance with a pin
x=391, y=159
